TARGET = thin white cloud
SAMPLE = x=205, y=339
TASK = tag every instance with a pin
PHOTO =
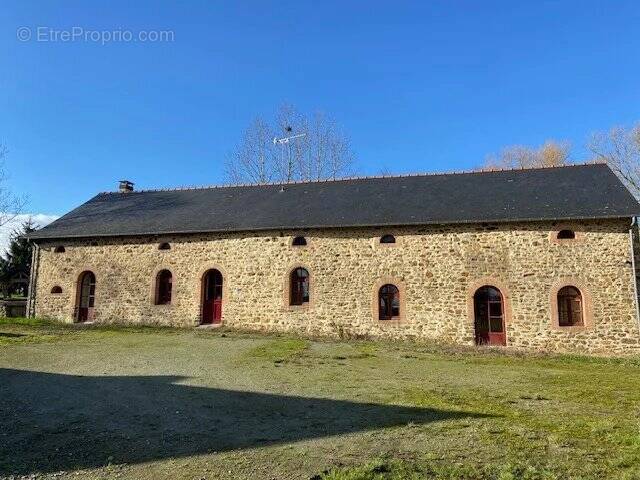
x=39, y=219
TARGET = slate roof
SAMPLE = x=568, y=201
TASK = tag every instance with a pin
x=572, y=192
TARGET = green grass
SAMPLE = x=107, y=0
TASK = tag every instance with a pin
x=33, y=322
x=18, y=338
x=398, y=470
x=20, y=331
x=156, y=402
x=280, y=350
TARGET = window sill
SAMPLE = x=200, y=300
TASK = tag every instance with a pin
x=571, y=329
x=393, y=321
x=304, y=306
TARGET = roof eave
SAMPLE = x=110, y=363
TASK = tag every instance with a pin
x=315, y=227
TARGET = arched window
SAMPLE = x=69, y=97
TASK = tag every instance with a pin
x=56, y=289
x=164, y=281
x=570, y=311
x=164, y=246
x=566, y=235
x=387, y=239
x=299, y=242
x=59, y=249
x=388, y=302
x=299, y=289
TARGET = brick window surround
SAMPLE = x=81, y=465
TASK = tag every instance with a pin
x=287, y=288
x=587, y=305
x=399, y=284
x=553, y=235
x=506, y=303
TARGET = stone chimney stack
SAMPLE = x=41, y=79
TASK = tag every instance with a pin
x=125, y=186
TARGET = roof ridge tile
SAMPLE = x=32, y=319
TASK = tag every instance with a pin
x=363, y=177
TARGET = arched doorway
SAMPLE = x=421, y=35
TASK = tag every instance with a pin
x=86, y=297
x=489, y=316
x=211, y=297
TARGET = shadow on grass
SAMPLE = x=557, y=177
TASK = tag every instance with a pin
x=12, y=335
x=54, y=422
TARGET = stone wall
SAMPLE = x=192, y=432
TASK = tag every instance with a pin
x=13, y=308
x=437, y=268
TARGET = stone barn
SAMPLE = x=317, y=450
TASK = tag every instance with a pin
x=539, y=259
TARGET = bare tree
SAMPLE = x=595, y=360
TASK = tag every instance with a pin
x=384, y=171
x=322, y=151
x=329, y=151
x=10, y=205
x=289, y=155
x=620, y=148
x=550, y=154
x=253, y=160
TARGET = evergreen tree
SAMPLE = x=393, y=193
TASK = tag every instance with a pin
x=17, y=258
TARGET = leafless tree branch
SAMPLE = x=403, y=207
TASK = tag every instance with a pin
x=323, y=152
x=620, y=148
x=551, y=154
x=10, y=204
x=253, y=160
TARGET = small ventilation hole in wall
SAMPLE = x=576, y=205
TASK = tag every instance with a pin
x=566, y=235
x=299, y=242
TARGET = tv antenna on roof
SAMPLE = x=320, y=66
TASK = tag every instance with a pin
x=287, y=141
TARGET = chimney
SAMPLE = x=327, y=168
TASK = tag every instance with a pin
x=125, y=186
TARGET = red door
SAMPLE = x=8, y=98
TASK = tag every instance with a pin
x=489, y=317
x=212, y=297
x=86, y=297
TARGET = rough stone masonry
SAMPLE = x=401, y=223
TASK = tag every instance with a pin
x=437, y=268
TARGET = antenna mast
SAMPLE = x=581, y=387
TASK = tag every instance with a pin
x=287, y=141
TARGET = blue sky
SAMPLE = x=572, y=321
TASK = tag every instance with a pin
x=419, y=86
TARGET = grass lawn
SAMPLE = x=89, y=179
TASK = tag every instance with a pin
x=150, y=403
